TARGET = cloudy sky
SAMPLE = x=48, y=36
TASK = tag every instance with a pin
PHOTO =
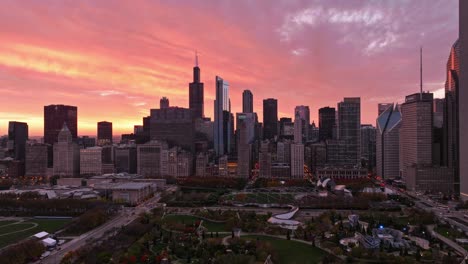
x=116, y=59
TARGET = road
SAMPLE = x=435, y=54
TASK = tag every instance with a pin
x=123, y=218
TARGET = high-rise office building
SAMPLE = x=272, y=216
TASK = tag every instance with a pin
x=221, y=117
x=349, y=128
x=326, y=123
x=368, y=146
x=297, y=149
x=247, y=102
x=383, y=107
x=175, y=125
x=54, y=118
x=37, y=159
x=416, y=132
x=388, y=143
x=298, y=123
x=66, y=155
x=91, y=161
x=286, y=128
x=304, y=114
x=196, y=90
x=17, y=137
x=270, y=118
x=104, y=133
x=265, y=159
x=152, y=159
x=246, y=131
x=164, y=103
x=439, y=105
x=125, y=159
x=463, y=99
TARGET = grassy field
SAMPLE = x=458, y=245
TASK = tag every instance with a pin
x=263, y=198
x=11, y=231
x=188, y=219
x=449, y=232
x=292, y=252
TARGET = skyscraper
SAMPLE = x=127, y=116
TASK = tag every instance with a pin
x=326, y=123
x=463, y=98
x=104, y=133
x=17, y=137
x=304, y=114
x=54, y=118
x=416, y=132
x=349, y=128
x=152, y=159
x=37, y=159
x=66, y=155
x=297, y=149
x=246, y=131
x=196, y=90
x=388, y=143
x=221, y=117
x=164, y=103
x=175, y=125
x=368, y=145
x=247, y=102
x=270, y=118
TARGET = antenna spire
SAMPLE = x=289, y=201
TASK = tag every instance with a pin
x=420, y=72
x=196, y=58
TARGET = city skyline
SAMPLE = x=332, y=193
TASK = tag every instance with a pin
x=74, y=61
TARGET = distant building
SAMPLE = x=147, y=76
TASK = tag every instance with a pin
x=368, y=146
x=174, y=125
x=54, y=118
x=343, y=172
x=164, y=103
x=66, y=155
x=297, y=160
x=265, y=160
x=463, y=99
x=326, y=123
x=196, y=93
x=37, y=159
x=17, y=137
x=286, y=128
x=349, y=128
x=429, y=179
x=303, y=112
x=104, y=133
x=152, y=159
x=281, y=170
x=314, y=133
x=388, y=143
x=247, y=101
x=270, y=118
x=132, y=193
x=223, y=166
x=91, y=161
x=201, y=164
x=222, y=116
x=283, y=152
x=126, y=159
x=86, y=142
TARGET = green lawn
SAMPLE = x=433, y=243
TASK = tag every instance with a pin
x=449, y=232
x=292, y=252
x=48, y=225
x=188, y=219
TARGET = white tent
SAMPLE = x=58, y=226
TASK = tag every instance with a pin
x=49, y=242
x=41, y=234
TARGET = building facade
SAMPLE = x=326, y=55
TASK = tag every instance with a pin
x=247, y=101
x=221, y=117
x=104, y=133
x=152, y=159
x=349, y=128
x=174, y=125
x=66, y=155
x=326, y=123
x=388, y=143
x=196, y=93
x=270, y=118
x=54, y=118
x=17, y=137
x=37, y=159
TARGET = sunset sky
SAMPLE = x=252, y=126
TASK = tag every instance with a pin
x=114, y=60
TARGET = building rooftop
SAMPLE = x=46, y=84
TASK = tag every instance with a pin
x=132, y=185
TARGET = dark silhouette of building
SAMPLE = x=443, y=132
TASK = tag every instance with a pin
x=164, y=103
x=222, y=110
x=174, y=125
x=349, y=128
x=54, y=118
x=247, y=102
x=463, y=99
x=388, y=142
x=17, y=137
x=270, y=118
x=196, y=101
x=37, y=159
x=326, y=123
x=104, y=133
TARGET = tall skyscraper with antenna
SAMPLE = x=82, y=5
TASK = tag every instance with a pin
x=196, y=92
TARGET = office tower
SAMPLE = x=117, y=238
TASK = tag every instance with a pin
x=37, y=159
x=221, y=117
x=298, y=139
x=66, y=155
x=270, y=118
x=152, y=159
x=201, y=164
x=125, y=159
x=174, y=125
x=283, y=151
x=349, y=128
x=286, y=128
x=223, y=166
x=438, y=149
x=265, y=159
x=17, y=137
x=368, y=146
x=91, y=161
x=313, y=132
x=104, y=133
x=388, y=143
x=297, y=149
x=304, y=114
x=247, y=102
x=438, y=112
x=462, y=173
x=326, y=123
x=54, y=118
x=164, y=103
x=246, y=131
x=416, y=132
x=196, y=101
